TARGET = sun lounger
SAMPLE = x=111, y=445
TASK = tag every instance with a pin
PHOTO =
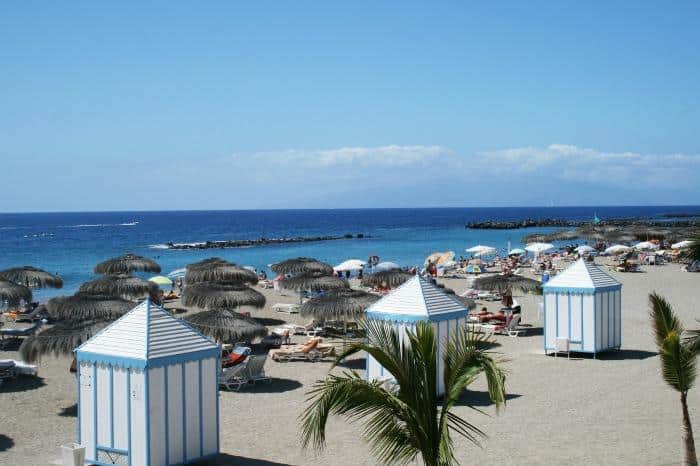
x=233, y=378
x=267, y=284
x=255, y=370
x=286, y=307
x=8, y=334
x=305, y=352
x=7, y=370
x=509, y=328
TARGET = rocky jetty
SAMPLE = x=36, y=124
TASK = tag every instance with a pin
x=244, y=243
x=553, y=222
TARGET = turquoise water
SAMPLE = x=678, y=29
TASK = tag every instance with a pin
x=70, y=244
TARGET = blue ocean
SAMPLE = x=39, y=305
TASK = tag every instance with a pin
x=70, y=244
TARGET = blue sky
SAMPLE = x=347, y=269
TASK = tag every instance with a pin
x=182, y=105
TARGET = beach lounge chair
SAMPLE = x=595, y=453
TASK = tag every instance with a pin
x=9, y=334
x=286, y=308
x=255, y=370
x=305, y=352
x=510, y=327
x=7, y=370
x=233, y=378
x=236, y=356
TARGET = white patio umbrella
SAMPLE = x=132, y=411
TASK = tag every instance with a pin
x=617, y=249
x=481, y=250
x=350, y=264
x=179, y=273
x=161, y=280
x=584, y=249
x=382, y=266
x=682, y=244
x=646, y=246
x=516, y=252
x=538, y=248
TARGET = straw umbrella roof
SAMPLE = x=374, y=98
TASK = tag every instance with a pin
x=126, y=264
x=506, y=283
x=301, y=265
x=214, y=295
x=215, y=269
x=61, y=339
x=338, y=304
x=84, y=306
x=313, y=282
x=14, y=293
x=31, y=277
x=391, y=278
x=225, y=325
x=123, y=286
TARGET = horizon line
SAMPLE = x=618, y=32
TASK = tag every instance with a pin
x=271, y=209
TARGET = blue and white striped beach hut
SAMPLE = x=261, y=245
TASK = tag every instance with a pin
x=584, y=305
x=418, y=299
x=148, y=392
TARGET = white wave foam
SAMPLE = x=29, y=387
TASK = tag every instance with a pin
x=100, y=225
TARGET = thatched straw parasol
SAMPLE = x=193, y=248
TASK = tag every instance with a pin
x=218, y=270
x=225, y=325
x=301, y=265
x=313, y=281
x=505, y=284
x=61, y=339
x=391, y=278
x=126, y=264
x=213, y=295
x=122, y=286
x=31, y=277
x=14, y=293
x=84, y=306
x=338, y=304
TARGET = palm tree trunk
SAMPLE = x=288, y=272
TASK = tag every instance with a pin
x=691, y=458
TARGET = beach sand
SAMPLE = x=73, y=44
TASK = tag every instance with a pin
x=612, y=410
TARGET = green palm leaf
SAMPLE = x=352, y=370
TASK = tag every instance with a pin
x=401, y=424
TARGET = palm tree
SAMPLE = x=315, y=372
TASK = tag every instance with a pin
x=692, y=253
x=678, y=359
x=407, y=420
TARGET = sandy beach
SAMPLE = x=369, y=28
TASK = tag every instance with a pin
x=612, y=410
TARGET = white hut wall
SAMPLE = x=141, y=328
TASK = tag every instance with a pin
x=137, y=396
x=174, y=381
x=444, y=330
x=86, y=407
x=571, y=315
x=183, y=411
x=608, y=317
x=374, y=369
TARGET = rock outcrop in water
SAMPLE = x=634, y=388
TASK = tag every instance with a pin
x=552, y=222
x=243, y=243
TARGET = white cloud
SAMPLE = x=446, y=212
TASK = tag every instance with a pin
x=573, y=163
x=413, y=175
x=355, y=157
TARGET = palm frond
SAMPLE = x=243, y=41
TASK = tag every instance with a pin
x=402, y=424
x=663, y=319
x=692, y=252
x=678, y=363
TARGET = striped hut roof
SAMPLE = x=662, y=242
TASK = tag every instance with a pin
x=147, y=335
x=417, y=299
x=582, y=275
